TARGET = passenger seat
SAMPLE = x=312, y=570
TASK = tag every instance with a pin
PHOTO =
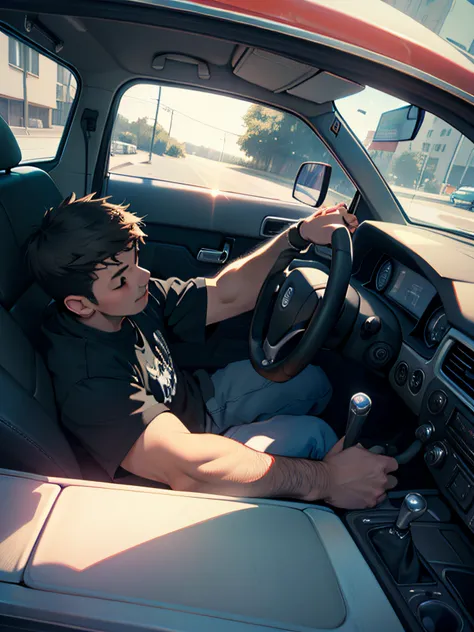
x=31, y=439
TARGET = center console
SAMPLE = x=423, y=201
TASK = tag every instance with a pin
x=111, y=557
x=448, y=413
x=428, y=570
x=440, y=596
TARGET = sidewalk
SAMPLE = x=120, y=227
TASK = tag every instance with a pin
x=56, y=131
x=119, y=161
x=420, y=195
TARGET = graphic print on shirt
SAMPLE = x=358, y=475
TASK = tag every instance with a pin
x=162, y=374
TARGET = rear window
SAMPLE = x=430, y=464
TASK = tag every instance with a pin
x=216, y=142
x=36, y=96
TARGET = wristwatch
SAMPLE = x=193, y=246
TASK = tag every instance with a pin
x=295, y=239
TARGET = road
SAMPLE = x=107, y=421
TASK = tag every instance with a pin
x=220, y=176
x=217, y=176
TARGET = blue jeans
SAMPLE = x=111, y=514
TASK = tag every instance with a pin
x=269, y=416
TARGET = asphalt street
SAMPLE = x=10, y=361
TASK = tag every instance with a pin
x=223, y=177
x=201, y=172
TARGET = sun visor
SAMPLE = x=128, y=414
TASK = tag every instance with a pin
x=280, y=74
x=325, y=87
x=269, y=71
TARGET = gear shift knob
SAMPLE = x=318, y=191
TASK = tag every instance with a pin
x=413, y=507
x=359, y=409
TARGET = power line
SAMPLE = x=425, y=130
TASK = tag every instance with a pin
x=165, y=106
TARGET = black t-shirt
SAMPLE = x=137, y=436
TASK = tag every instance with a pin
x=109, y=386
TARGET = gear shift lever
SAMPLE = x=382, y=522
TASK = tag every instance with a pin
x=413, y=507
x=359, y=410
x=395, y=544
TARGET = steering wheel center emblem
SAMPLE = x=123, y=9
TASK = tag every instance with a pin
x=287, y=296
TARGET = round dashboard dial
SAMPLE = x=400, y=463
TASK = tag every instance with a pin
x=436, y=328
x=384, y=275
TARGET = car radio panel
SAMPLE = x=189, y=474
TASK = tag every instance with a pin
x=462, y=431
x=449, y=452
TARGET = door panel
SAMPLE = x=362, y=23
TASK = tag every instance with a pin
x=181, y=220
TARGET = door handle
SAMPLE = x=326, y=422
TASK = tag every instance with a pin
x=208, y=255
x=272, y=226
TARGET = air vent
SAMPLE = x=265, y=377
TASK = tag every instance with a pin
x=458, y=366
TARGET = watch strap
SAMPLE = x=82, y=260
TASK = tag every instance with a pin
x=295, y=239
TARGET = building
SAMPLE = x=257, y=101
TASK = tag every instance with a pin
x=445, y=156
x=430, y=13
x=50, y=88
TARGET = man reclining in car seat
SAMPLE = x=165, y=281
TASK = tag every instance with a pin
x=120, y=393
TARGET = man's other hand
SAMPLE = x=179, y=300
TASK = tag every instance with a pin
x=319, y=227
x=357, y=478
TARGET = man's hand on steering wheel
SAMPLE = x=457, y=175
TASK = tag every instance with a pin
x=302, y=304
x=318, y=228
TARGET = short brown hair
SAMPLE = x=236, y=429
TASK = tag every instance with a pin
x=75, y=238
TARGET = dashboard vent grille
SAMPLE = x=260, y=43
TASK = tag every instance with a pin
x=458, y=365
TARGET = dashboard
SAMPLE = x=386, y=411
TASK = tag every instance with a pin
x=413, y=293
x=418, y=285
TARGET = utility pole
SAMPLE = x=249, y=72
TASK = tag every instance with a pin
x=24, y=54
x=468, y=164
x=418, y=184
x=453, y=158
x=152, y=142
x=171, y=125
x=223, y=147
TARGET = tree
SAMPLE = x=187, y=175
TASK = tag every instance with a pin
x=122, y=124
x=261, y=136
x=279, y=143
x=407, y=168
x=140, y=133
x=175, y=150
x=161, y=141
x=127, y=137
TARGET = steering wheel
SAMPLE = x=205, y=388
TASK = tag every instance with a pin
x=303, y=300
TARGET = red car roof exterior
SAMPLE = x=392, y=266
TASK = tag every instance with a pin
x=331, y=21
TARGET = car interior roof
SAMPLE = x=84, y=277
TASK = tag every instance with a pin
x=100, y=49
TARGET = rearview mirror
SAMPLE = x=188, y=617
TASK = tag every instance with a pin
x=311, y=183
x=400, y=124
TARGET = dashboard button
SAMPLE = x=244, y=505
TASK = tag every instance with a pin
x=401, y=373
x=416, y=381
x=370, y=326
x=435, y=454
x=462, y=490
x=380, y=353
x=437, y=402
x=424, y=432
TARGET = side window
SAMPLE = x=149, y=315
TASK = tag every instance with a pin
x=220, y=143
x=36, y=95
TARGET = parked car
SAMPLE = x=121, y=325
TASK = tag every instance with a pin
x=464, y=196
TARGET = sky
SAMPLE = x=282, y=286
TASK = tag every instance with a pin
x=203, y=119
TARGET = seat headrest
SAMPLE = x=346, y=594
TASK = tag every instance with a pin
x=10, y=152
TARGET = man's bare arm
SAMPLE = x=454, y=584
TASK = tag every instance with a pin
x=167, y=452
x=235, y=289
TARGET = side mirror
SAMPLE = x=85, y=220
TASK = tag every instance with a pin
x=312, y=183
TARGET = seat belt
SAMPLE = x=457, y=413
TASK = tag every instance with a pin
x=89, y=125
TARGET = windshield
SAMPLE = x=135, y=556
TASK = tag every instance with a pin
x=432, y=176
